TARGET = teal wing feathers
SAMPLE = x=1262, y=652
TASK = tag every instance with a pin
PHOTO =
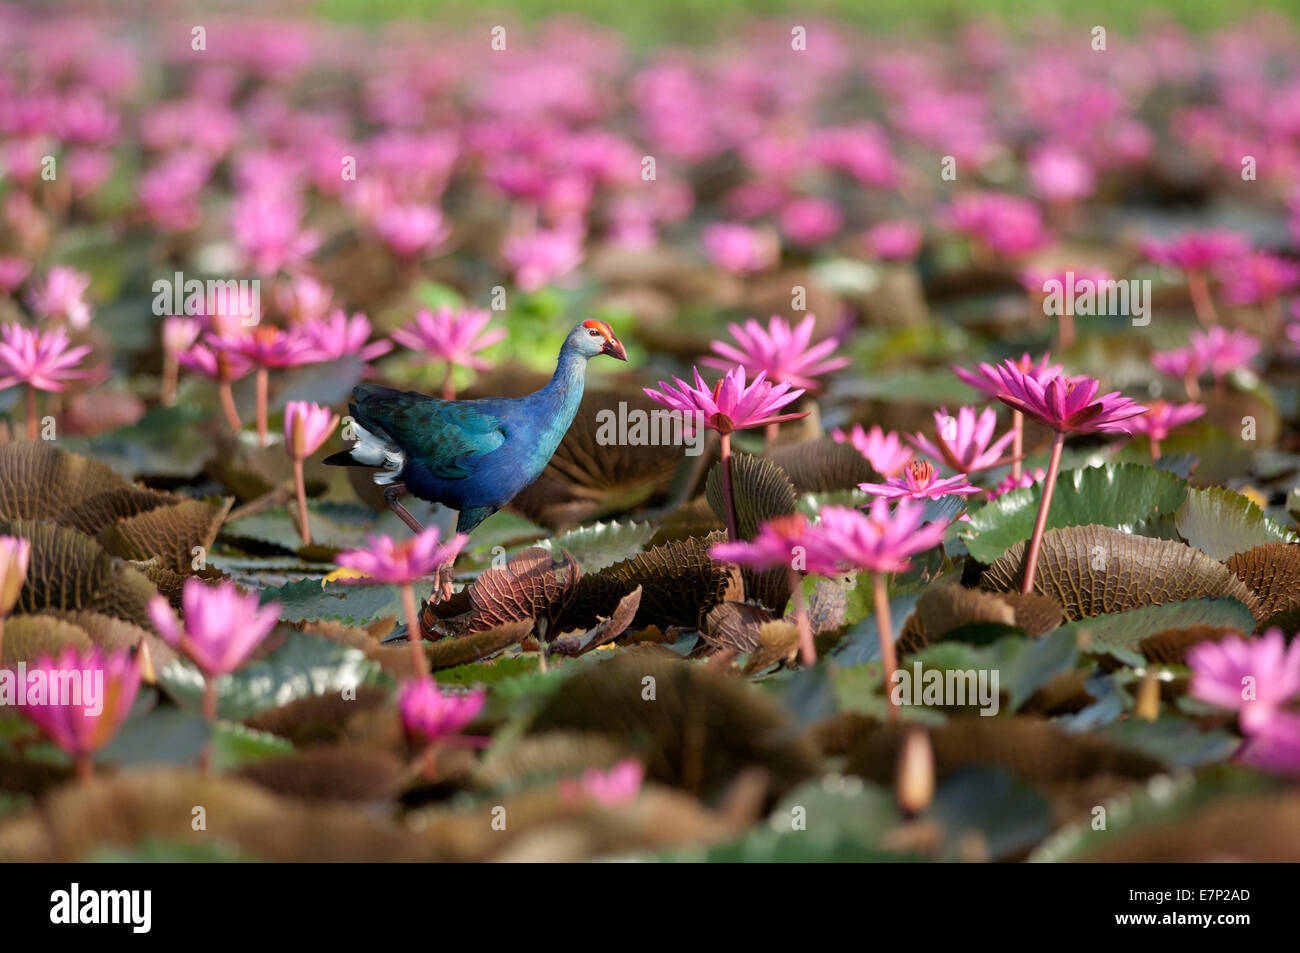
x=443, y=435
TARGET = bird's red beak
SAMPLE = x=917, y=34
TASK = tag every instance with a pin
x=614, y=348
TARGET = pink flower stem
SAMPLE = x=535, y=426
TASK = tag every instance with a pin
x=1155, y=449
x=1198, y=286
x=769, y=434
x=170, y=379
x=32, y=431
x=1017, y=442
x=263, y=386
x=885, y=629
x=227, y=395
x=210, y=715
x=1040, y=524
x=728, y=496
x=807, y=648
x=1193, y=386
x=448, y=383
x=413, y=631
x=304, y=523
x=85, y=769
x=1065, y=330
x=429, y=762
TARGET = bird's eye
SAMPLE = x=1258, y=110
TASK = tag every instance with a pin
x=594, y=334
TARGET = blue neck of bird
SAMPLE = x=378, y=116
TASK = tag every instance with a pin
x=562, y=395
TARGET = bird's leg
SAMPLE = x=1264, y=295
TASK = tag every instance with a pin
x=391, y=493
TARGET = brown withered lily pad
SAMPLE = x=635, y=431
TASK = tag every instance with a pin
x=1260, y=828
x=735, y=625
x=39, y=481
x=174, y=535
x=102, y=510
x=334, y=773
x=464, y=649
x=532, y=585
x=139, y=806
x=30, y=636
x=1272, y=573
x=698, y=727
x=1037, y=751
x=69, y=571
x=1171, y=646
x=554, y=754
x=324, y=719
x=572, y=644
x=944, y=608
x=822, y=465
x=679, y=585
x=761, y=492
x=1094, y=570
x=169, y=582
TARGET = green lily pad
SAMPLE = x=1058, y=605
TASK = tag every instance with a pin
x=354, y=604
x=1116, y=495
x=601, y=544
x=1222, y=523
x=1128, y=629
x=305, y=665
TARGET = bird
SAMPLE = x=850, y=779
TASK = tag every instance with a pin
x=473, y=456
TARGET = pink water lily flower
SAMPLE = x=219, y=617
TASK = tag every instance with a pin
x=107, y=683
x=1067, y=405
x=304, y=298
x=40, y=359
x=920, y=481
x=731, y=404
x=451, y=334
x=619, y=785
x=1197, y=249
x=1274, y=746
x=881, y=541
x=1221, y=351
x=1013, y=482
x=739, y=249
x=886, y=452
x=62, y=296
x=894, y=241
x=390, y=563
x=430, y=715
x=1163, y=417
x=306, y=427
x=878, y=538
x=221, y=625
x=964, y=443
x=1255, y=677
x=337, y=336
x=411, y=229
x=1257, y=279
x=988, y=379
x=1060, y=175
x=539, y=257
x=13, y=272
x=784, y=354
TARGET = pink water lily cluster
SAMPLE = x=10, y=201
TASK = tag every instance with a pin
x=1259, y=678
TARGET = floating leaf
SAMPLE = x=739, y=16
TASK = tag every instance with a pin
x=39, y=481
x=606, y=631
x=532, y=585
x=69, y=571
x=822, y=465
x=1115, y=495
x=1128, y=629
x=1096, y=570
x=1222, y=523
x=301, y=666
x=353, y=604
x=600, y=545
x=1272, y=573
x=462, y=650
x=761, y=491
x=170, y=534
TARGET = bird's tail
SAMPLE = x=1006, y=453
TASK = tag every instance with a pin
x=375, y=450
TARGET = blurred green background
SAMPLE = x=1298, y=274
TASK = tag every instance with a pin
x=707, y=20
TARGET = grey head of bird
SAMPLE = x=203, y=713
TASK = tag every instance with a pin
x=595, y=337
